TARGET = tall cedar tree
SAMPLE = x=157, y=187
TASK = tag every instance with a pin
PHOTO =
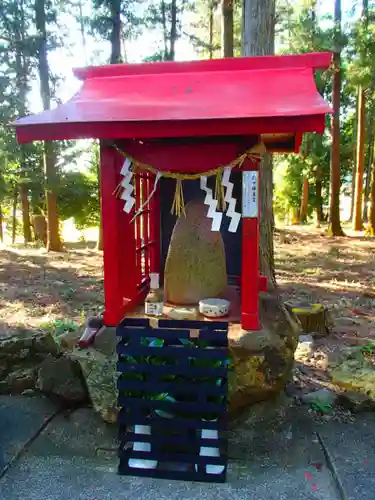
x=258, y=39
x=53, y=241
x=226, y=28
x=335, y=224
x=361, y=137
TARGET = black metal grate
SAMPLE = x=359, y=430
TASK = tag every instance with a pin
x=177, y=386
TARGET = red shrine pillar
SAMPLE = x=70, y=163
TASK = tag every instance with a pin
x=120, y=285
x=250, y=279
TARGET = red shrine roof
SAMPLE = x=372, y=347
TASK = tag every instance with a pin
x=248, y=95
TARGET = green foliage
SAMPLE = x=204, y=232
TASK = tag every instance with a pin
x=101, y=24
x=78, y=197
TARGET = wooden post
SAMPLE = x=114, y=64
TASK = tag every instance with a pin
x=250, y=247
x=118, y=242
x=155, y=229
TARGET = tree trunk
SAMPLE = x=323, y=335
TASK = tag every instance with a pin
x=358, y=192
x=371, y=226
x=116, y=32
x=14, y=215
x=335, y=224
x=370, y=153
x=227, y=28
x=1, y=224
x=304, y=200
x=258, y=39
x=83, y=34
x=21, y=76
x=211, y=29
x=27, y=236
x=354, y=165
x=173, y=38
x=165, y=31
x=54, y=241
x=296, y=212
x=319, y=202
x=99, y=243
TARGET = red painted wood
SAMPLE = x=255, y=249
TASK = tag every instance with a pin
x=263, y=283
x=319, y=60
x=146, y=225
x=111, y=237
x=120, y=278
x=138, y=234
x=193, y=157
x=155, y=230
x=250, y=268
x=194, y=128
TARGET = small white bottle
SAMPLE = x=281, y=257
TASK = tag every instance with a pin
x=154, y=302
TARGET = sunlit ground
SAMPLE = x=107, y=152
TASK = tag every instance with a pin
x=37, y=288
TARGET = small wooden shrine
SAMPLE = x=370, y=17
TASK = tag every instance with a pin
x=170, y=122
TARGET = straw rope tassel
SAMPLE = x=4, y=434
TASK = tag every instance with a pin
x=219, y=191
x=178, y=206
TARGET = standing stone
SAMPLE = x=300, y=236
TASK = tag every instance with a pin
x=195, y=268
x=62, y=377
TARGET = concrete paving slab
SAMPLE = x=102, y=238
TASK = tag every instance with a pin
x=20, y=419
x=352, y=448
x=273, y=463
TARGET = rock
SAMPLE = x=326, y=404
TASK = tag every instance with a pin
x=262, y=360
x=355, y=373
x=321, y=396
x=262, y=363
x=100, y=374
x=304, y=347
x=195, y=267
x=20, y=357
x=351, y=326
x=61, y=377
x=105, y=340
x=21, y=378
x=356, y=401
x=45, y=343
x=68, y=340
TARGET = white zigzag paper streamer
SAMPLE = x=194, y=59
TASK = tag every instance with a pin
x=212, y=204
x=231, y=211
x=126, y=183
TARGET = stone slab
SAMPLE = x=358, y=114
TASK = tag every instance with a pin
x=352, y=448
x=270, y=462
x=20, y=419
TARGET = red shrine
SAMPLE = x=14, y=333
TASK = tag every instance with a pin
x=182, y=117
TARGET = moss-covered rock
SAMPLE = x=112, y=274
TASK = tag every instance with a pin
x=356, y=373
x=195, y=268
x=100, y=374
x=262, y=360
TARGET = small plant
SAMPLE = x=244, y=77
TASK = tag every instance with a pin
x=60, y=326
x=321, y=407
x=367, y=349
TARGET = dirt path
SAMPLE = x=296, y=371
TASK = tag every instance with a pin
x=37, y=290
x=325, y=269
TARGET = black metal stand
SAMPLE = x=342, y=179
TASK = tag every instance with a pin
x=175, y=387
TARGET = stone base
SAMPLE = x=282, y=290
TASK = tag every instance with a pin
x=262, y=361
